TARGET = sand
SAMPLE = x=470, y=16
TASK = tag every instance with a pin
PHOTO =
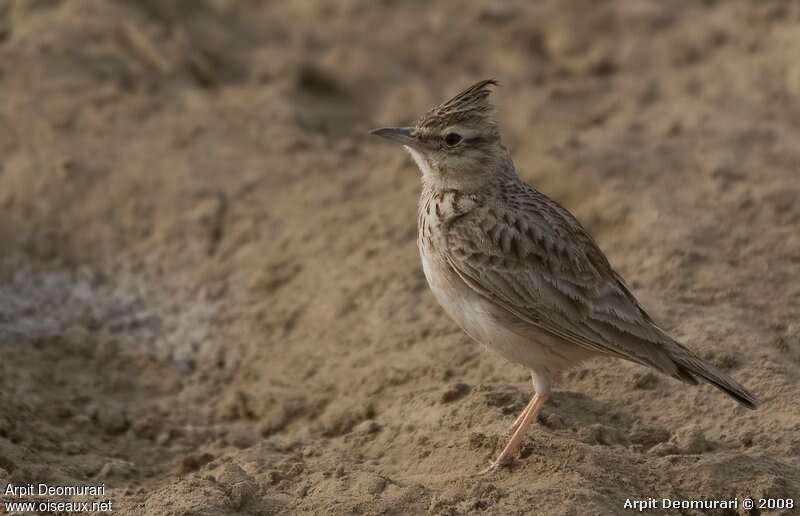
x=211, y=300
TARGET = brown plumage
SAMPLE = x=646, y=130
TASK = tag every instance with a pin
x=516, y=270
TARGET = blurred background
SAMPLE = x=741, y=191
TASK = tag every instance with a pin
x=210, y=294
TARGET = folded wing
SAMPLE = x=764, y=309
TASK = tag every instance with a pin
x=538, y=263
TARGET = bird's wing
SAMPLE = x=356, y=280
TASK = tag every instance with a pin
x=538, y=263
x=533, y=258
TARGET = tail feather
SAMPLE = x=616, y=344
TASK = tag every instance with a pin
x=691, y=367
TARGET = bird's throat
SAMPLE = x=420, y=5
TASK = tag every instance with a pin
x=420, y=160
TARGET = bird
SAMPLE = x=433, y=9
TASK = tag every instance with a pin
x=517, y=271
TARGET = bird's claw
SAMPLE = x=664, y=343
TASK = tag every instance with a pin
x=493, y=467
x=488, y=470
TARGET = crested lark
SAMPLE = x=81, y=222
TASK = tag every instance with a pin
x=516, y=270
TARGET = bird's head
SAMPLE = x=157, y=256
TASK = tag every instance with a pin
x=457, y=143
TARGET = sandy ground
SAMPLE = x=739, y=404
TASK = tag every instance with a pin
x=210, y=294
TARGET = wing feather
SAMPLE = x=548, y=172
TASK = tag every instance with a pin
x=531, y=257
x=545, y=269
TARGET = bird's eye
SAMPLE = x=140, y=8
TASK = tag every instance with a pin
x=452, y=139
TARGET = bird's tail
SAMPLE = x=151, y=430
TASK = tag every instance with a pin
x=690, y=368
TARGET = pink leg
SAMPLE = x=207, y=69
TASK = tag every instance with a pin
x=528, y=415
x=540, y=384
x=520, y=417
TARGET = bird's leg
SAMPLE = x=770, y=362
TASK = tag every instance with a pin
x=528, y=415
x=542, y=383
x=520, y=417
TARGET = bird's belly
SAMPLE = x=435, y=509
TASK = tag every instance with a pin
x=490, y=324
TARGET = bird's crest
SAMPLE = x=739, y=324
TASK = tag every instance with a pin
x=470, y=107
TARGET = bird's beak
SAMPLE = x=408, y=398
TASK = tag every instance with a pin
x=398, y=134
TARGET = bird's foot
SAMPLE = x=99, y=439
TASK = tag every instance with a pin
x=493, y=466
x=519, y=427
